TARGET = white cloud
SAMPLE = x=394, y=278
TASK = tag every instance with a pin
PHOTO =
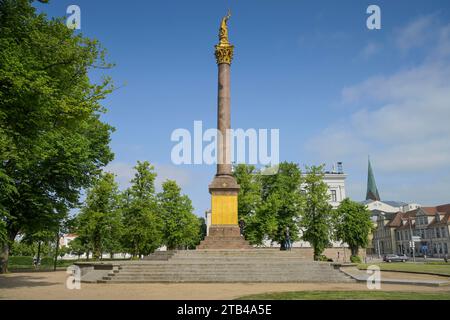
x=416, y=33
x=124, y=172
x=370, y=50
x=402, y=119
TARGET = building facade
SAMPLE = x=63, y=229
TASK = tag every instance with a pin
x=431, y=225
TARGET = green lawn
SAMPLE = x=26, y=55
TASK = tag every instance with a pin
x=431, y=268
x=349, y=295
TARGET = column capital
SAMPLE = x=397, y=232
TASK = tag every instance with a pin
x=224, y=53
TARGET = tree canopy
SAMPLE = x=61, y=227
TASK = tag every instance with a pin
x=143, y=232
x=181, y=227
x=99, y=220
x=352, y=224
x=316, y=221
x=52, y=141
x=269, y=203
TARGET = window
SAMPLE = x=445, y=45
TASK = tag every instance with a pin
x=333, y=196
x=438, y=233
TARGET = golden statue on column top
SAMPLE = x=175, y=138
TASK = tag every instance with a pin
x=224, y=50
x=223, y=33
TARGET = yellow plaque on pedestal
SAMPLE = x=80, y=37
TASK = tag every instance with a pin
x=224, y=209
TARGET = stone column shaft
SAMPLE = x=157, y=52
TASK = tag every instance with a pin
x=223, y=121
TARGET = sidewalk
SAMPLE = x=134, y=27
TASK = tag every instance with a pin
x=390, y=277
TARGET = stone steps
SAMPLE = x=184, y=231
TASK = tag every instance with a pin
x=207, y=266
x=230, y=279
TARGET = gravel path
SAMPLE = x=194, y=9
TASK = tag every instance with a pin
x=51, y=285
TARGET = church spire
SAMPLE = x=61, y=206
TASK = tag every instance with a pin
x=372, y=191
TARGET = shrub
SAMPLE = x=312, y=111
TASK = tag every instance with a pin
x=325, y=258
x=355, y=259
x=20, y=261
x=47, y=261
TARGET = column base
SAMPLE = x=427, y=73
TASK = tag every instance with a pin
x=224, y=237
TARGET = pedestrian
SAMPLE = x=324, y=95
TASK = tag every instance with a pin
x=287, y=239
x=445, y=258
x=338, y=256
x=242, y=226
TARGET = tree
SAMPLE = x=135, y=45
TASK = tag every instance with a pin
x=3, y=233
x=99, y=220
x=269, y=203
x=143, y=226
x=53, y=143
x=78, y=247
x=283, y=202
x=39, y=239
x=181, y=226
x=203, y=228
x=250, y=201
x=316, y=220
x=352, y=225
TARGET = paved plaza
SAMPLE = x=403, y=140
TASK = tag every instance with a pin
x=51, y=285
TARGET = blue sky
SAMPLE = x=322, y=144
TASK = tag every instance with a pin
x=335, y=90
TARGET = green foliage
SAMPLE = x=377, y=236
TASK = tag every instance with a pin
x=203, y=227
x=324, y=258
x=143, y=225
x=19, y=248
x=352, y=224
x=78, y=247
x=21, y=260
x=181, y=227
x=47, y=261
x=355, y=259
x=250, y=201
x=99, y=222
x=317, y=218
x=269, y=203
x=3, y=232
x=52, y=142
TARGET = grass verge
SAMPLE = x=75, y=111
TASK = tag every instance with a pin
x=349, y=295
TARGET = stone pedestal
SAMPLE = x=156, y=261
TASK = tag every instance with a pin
x=224, y=237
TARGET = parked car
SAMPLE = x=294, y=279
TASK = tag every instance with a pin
x=395, y=258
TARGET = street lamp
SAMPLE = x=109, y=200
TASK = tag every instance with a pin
x=412, y=244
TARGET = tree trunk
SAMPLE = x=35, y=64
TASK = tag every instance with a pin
x=355, y=250
x=39, y=252
x=56, y=251
x=4, y=253
x=4, y=256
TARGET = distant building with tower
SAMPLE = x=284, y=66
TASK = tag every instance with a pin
x=376, y=205
x=397, y=222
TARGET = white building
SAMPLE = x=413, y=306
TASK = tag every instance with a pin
x=378, y=206
x=66, y=239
